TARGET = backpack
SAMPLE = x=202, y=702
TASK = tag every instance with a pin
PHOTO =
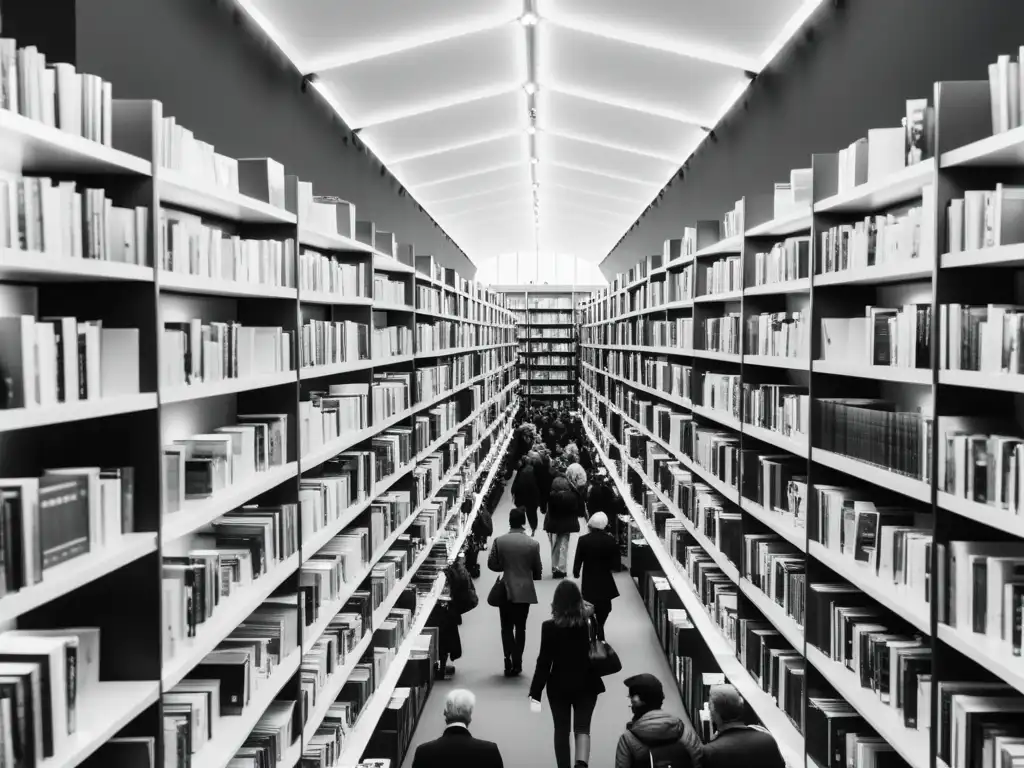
x=461, y=588
x=672, y=755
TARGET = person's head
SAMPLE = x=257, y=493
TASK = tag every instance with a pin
x=645, y=693
x=567, y=605
x=572, y=452
x=726, y=705
x=517, y=517
x=458, y=707
x=598, y=521
x=533, y=459
x=576, y=475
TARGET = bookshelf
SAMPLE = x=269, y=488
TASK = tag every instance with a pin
x=425, y=357
x=548, y=351
x=713, y=395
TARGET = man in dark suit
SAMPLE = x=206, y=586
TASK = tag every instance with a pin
x=516, y=556
x=457, y=745
x=735, y=743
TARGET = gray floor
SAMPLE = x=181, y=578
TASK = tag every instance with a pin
x=502, y=711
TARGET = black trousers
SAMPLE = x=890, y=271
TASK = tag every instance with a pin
x=601, y=610
x=531, y=517
x=513, y=631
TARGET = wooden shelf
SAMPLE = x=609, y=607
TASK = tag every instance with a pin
x=37, y=148
x=203, y=390
x=178, y=189
x=38, y=267
x=788, y=224
x=884, y=478
x=876, y=372
x=80, y=410
x=198, y=284
x=896, y=188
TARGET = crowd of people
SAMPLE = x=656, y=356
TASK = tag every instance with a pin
x=557, y=475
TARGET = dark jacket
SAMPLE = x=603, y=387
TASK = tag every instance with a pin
x=457, y=747
x=563, y=663
x=565, y=508
x=733, y=746
x=517, y=557
x=544, y=475
x=525, y=491
x=597, y=555
x=654, y=728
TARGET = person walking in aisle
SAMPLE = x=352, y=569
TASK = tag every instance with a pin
x=565, y=508
x=525, y=488
x=457, y=746
x=563, y=667
x=516, y=557
x=735, y=743
x=597, y=555
x=653, y=736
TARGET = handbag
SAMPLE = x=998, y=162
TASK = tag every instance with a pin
x=604, y=660
x=498, y=596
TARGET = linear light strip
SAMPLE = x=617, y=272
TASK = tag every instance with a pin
x=796, y=21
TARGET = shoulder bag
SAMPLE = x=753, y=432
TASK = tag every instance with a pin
x=498, y=596
x=604, y=660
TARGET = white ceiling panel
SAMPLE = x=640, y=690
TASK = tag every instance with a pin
x=611, y=162
x=486, y=109
x=464, y=161
x=471, y=186
x=615, y=127
x=634, y=76
x=735, y=31
x=430, y=76
x=449, y=127
x=621, y=189
x=516, y=193
x=329, y=32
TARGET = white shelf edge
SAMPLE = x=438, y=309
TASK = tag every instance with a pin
x=977, y=152
x=908, y=486
x=986, y=514
x=922, y=376
x=800, y=285
x=178, y=188
x=908, y=269
x=980, y=648
x=911, y=745
x=206, y=389
x=329, y=693
x=775, y=614
x=797, y=447
x=1008, y=255
x=231, y=613
x=777, y=522
x=895, y=600
x=75, y=573
x=200, y=512
x=211, y=286
x=233, y=731
x=901, y=186
x=999, y=382
x=15, y=263
x=79, y=410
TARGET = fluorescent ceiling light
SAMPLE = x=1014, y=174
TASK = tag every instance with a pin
x=635, y=106
x=534, y=160
x=273, y=33
x=430, y=106
x=530, y=88
x=531, y=130
x=442, y=150
x=528, y=19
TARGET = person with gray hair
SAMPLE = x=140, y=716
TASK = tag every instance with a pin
x=457, y=746
x=737, y=744
x=597, y=556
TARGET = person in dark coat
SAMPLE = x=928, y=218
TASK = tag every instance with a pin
x=563, y=667
x=565, y=508
x=457, y=746
x=545, y=475
x=735, y=742
x=597, y=555
x=526, y=491
x=603, y=497
x=652, y=728
x=516, y=557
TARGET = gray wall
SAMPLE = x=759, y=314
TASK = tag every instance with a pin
x=865, y=59
x=232, y=91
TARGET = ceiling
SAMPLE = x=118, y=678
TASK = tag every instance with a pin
x=531, y=124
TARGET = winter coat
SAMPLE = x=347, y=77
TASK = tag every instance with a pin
x=597, y=555
x=651, y=729
x=525, y=491
x=544, y=478
x=565, y=508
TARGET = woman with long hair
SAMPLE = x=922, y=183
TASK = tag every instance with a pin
x=563, y=667
x=565, y=508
